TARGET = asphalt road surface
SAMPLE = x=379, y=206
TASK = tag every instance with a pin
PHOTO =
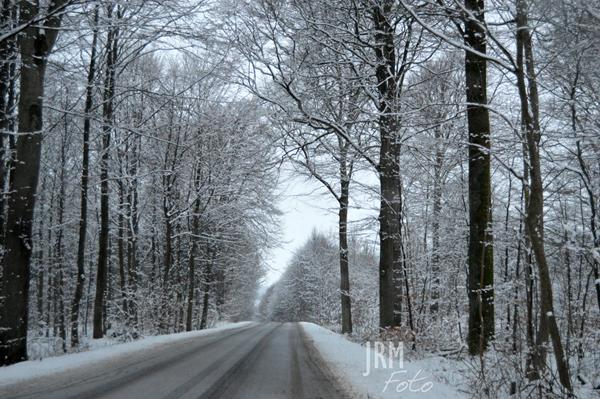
x=260, y=361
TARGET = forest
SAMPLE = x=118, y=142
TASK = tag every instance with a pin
x=143, y=144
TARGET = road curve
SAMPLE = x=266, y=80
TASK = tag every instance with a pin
x=260, y=361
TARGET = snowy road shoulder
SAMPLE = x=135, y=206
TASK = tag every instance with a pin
x=32, y=369
x=348, y=362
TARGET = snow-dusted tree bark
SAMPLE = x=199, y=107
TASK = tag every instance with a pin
x=481, y=252
x=8, y=66
x=35, y=44
x=390, y=258
x=107, y=127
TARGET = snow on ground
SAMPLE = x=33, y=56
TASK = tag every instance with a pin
x=416, y=379
x=100, y=351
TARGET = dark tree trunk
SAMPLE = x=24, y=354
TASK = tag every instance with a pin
x=8, y=53
x=346, y=169
x=480, y=254
x=390, y=267
x=107, y=111
x=80, y=279
x=343, y=249
x=35, y=46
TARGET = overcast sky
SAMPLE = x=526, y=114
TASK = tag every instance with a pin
x=306, y=205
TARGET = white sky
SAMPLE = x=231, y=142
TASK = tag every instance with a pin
x=306, y=206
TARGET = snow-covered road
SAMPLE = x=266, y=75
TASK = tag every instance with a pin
x=259, y=361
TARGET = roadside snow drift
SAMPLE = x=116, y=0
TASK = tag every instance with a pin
x=347, y=361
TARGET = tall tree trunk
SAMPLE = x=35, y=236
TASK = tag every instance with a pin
x=344, y=200
x=528, y=93
x=89, y=97
x=389, y=214
x=480, y=253
x=343, y=249
x=35, y=46
x=107, y=112
x=8, y=53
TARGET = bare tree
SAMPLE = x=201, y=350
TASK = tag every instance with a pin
x=481, y=252
x=528, y=94
x=107, y=127
x=35, y=45
x=83, y=225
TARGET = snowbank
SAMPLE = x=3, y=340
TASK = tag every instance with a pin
x=347, y=361
x=104, y=351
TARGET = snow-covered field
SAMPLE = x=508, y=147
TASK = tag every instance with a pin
x=102, y=352
x=431, y=378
